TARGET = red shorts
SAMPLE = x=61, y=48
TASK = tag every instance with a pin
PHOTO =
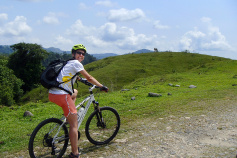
x=65, y=101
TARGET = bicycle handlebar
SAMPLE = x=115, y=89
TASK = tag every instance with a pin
x=83, y=80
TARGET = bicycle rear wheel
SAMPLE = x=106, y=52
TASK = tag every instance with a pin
x=102, y=126
x=41, y=140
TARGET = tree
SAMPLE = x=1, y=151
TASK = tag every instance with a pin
x=26, y=63
x=10, y=85
x=88, y=59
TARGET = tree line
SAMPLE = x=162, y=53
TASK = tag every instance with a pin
x=20, y=71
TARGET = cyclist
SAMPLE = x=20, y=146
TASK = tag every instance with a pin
x=67, y=101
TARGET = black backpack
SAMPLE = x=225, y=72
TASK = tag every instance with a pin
x=48, y=78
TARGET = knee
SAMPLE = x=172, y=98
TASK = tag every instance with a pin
x=73, y=126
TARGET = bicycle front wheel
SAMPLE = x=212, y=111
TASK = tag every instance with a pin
x=102, y=126
x=41, y=142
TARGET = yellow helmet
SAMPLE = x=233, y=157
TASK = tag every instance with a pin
x=78, y=46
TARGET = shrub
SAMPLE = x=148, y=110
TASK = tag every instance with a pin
x=10, y=85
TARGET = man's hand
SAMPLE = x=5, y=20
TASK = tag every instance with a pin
x=104, y=88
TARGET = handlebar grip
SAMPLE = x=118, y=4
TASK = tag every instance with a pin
x=88, y=83
x=83, y=80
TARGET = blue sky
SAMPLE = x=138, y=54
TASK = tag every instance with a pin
x=123, y=26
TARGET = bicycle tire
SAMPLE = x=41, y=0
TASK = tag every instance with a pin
x=40, y=143
x=102, y=132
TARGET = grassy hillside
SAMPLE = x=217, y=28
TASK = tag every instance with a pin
x=126, y=68
x=214, y=77
x=116, y=72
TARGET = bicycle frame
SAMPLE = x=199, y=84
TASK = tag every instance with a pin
x=90, y=99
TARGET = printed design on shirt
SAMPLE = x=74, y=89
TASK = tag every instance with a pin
x=67, y=78
x=67, y=81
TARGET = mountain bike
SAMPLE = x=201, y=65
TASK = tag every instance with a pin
x=50, y=138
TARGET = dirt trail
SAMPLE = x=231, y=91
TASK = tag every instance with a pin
x=210, y=134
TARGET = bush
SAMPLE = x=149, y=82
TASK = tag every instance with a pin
x=10, y=85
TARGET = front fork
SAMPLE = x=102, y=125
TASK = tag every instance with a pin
x=96, y=105
x=100, y=120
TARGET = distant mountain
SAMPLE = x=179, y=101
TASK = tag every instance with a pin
x=55, y=50
x=5, y=49
x=143, y=51
x=105, y=55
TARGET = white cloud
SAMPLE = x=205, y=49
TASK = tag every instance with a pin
x=157, y=25
x=3, y=17
x=110, y=32
x=105, y=3
x=62, y=41
x=209, y=40
x=83, y=6
x=78, y=29
x=51, y=18
x=138, y=41
x=18, y=27
x=94, y=41
x=216, y=40
x=125, y=15
x=110, y=37
x=206, y=19
x=125, y=38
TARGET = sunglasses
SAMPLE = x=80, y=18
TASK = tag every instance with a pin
x=80, y=53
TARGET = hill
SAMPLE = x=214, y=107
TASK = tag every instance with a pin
x=215, y=79
x=5, y=49
x=102, y=56
x=142, y=51
x=105, y=55
x=119, y=71
x=55, y=50
x=124, y=69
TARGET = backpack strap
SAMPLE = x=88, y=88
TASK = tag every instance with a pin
x=72, y=81
x=65, y=90
x=68, y=80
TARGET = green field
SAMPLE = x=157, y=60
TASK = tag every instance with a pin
x=215, y=78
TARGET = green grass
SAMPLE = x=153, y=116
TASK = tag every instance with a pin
x=140, y=74
x=116, y=72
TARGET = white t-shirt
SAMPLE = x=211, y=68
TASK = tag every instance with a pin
x=69, y=70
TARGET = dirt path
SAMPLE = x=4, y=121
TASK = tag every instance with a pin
x=209, y=134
